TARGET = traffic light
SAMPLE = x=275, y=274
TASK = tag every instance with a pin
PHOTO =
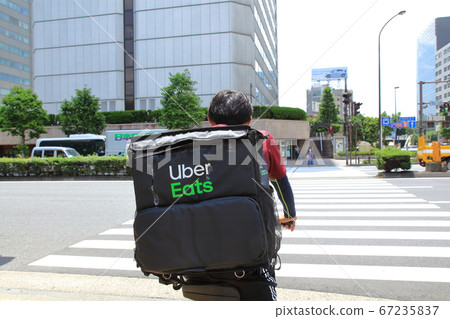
x=330, y=130
x=347, y=97
x=445, y=107
x=356, y=108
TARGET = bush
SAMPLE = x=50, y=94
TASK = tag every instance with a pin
x=392, y=158
x=142, y=116
x=74, y=166
x=119, y=117
x=279, y=112
x=155, y=116
x=52, y=120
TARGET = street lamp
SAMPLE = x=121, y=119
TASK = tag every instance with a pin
x=395, y=113
x=379, y=79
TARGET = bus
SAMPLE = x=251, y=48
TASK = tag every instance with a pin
x=117, y=141
x=85, y=144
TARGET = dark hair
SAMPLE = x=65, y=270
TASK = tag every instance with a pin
x=230, y=107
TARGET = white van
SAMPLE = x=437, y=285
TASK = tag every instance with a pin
x=54, y=151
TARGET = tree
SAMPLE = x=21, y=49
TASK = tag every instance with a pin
x=328, y=112
x=181, y=107
x=81, y=114
x=369, y=130
x=445, y=132
x=21, y=114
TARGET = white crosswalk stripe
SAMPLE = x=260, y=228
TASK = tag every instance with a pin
x=351, y=218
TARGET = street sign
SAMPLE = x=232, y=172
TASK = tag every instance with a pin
x=410, y=124
x=385, y=121
x=407, y=119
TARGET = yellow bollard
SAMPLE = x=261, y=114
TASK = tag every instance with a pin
x=436, y=151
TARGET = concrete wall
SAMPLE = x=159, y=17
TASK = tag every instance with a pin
x=284, y=129
x=280, y=129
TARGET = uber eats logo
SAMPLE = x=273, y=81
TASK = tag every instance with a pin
x=182, y=172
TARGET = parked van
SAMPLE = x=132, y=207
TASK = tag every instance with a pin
x=54, y=151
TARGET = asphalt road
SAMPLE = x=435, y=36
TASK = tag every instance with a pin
x=42, y=218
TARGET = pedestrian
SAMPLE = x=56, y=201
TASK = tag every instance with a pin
x=296, y=152
x=310, y=156
x=229, y=107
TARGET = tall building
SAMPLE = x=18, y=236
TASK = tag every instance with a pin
x=314, y=97
x=443, y=74
x=433, y=64
x=15, y=45
x=124, y=50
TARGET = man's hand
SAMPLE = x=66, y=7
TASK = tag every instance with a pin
x=288, y=223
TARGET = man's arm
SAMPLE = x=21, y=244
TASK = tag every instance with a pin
x=286, y=196
x=277, y=175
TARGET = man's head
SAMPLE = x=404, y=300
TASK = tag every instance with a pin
x=230, y=107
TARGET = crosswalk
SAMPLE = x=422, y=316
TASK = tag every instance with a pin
x=352, y=230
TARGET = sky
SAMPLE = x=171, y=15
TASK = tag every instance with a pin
x=344, y=33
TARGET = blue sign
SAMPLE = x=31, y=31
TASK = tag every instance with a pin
x=407, y=119
x=410, y=124
x=385, y=121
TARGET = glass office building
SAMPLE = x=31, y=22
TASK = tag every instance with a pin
x=124, y=50
x=433, y=64
x=15, y=45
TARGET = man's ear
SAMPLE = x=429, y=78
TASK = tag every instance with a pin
x=248, y=123
x=211, y=122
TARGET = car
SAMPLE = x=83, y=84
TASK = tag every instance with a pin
x=411, y=148
x=54, y=151
x=336, y=73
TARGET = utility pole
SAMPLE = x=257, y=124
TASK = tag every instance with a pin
x=346, y=98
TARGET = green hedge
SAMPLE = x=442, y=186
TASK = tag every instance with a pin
x=392, y=158
x=74, y=166
x=120, y=117
x=142, y=116
x=279, y=113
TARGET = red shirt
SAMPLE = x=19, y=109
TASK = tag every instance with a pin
x=273, y=158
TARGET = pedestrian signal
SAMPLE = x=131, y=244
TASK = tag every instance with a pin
x=347, y=97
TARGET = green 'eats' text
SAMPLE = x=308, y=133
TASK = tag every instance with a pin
x=191, y=189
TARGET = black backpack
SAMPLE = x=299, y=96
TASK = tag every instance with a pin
x=203, y=203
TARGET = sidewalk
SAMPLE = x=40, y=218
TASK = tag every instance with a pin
x=34, y=286
x=337, y=168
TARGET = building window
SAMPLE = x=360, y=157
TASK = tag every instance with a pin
x=4, y=91
x=108, y=106
x=14, y=21
x=14, y=7
x=16, y=65
x=143, y=104
x=14, y=50
x=15, y=79
x=14, y=35
x=152, y=104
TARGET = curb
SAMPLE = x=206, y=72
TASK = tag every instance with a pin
x=38, y=286
x=412, y=174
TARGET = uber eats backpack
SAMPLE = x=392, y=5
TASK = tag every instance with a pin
x=203, y=203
